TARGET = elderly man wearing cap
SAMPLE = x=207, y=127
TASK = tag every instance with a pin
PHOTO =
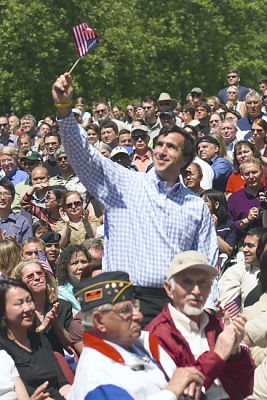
x=193, y=337
x=116, y=362
x=208, y=149
x=142, y=156
x=150, y=215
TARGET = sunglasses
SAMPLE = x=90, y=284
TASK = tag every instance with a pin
x=62, y=158
x=73, y=204
x=193, y=94
x=231, y=76
x=147, y=107
x=4, y=124
x=101, y=111
x=141, y=136
x=29, y=163
x=232, y=92
x=264, y=97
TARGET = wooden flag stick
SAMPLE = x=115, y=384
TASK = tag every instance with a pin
x=74, y=65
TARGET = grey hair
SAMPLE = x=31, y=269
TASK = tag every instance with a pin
x=29, y=116
x=172, y=283
x=59, y=151
x=231, y=121
x=103, y=145
x=88, y=322
x=253, y=93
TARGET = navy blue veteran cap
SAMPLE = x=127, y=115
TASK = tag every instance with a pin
x=108, y=287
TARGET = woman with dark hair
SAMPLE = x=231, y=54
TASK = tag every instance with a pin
x=242, y=150
x=53, y=315
x=52, y=203
x=72, y=263
x=259, y=132
x=225, y=228
x=93, y=134
x=30, y=351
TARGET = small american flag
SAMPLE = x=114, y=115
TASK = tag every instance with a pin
x=234, y=306
x=85, y=39
x=45, y=263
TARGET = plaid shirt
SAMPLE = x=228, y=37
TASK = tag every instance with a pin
x=146, y=223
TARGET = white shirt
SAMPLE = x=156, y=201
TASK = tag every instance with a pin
x=8, y=373
x=195, y=336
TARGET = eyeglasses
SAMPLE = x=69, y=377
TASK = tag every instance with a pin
x=73, y=204
x=264, y=96
x=4, y=124
x=215, y=121
x=231, y=76
x=141, y=136
x=125, y=310
x=5, y=195
x=62, y=158
x=38, y=274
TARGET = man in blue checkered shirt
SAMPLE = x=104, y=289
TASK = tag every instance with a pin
x=149, y=218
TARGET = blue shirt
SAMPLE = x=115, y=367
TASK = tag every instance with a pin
x=17, y=176
x=16, y=224
x=222, y=169
x=146, y=222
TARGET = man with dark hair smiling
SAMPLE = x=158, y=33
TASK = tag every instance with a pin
x=150, y=213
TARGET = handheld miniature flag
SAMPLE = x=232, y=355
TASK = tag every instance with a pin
x=85, y=39
x=45, y=264
x=234, y=307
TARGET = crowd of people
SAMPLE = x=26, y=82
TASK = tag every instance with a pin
x=133, y=248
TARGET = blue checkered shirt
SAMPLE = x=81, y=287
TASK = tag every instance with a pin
x=146, y=222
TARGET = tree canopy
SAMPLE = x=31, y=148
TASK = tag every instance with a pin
x=146, y=47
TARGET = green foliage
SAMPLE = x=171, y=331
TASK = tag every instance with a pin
x=146, y=47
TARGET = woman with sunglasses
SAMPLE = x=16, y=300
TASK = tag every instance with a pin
x=53, y=315
x=31, y=351
x=71, y=265
x=233, y=103
x=75, y=226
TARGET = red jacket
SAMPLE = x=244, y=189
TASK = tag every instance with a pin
x=236, y=374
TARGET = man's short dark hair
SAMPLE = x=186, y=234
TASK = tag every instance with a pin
x=124, y=132
x=256, y=231
x=204, y=105
x=108, y=123
x=151, y=99
x=233, y=71
x=188, y=149
x=263, y=81
x=54, y=134
x=7, y=185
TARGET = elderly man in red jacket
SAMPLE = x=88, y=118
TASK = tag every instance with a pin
x=194, y=338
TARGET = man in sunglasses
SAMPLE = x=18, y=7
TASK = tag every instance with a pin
x=142, y=156
x=118, y=360
x=233, y=79
x=197, y=96
x=7, y=138
x=151, y=215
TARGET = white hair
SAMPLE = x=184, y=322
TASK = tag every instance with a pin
x=88, y=322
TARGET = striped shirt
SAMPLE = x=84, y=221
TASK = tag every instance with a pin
x=146, y=222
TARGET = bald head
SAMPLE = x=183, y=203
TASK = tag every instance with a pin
x=40, y=175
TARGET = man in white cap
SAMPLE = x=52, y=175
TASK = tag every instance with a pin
x=193, y=337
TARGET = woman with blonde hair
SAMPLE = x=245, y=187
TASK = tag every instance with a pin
x=9, y=257
x=53, y=315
